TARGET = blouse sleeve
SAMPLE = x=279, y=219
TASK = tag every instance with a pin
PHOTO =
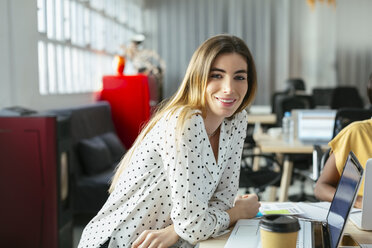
x=224, y=196
x=194, y=220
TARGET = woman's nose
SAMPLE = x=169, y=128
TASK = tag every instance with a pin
x=227, y=86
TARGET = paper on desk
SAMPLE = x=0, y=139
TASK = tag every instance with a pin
x=317, y=210
x=314, y=210
x=287, y=208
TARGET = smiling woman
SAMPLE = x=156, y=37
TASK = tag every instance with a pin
x=178, y=183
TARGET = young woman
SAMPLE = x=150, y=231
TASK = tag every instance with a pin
x=178, y=183
x=356, y=137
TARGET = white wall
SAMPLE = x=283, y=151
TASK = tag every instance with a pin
x=19, y=63
x=329, y=46
x=354, y=43
x=5, y=81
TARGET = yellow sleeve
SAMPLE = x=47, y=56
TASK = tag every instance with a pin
x=356, y=137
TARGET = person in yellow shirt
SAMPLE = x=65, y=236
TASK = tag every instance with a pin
x=356, y=137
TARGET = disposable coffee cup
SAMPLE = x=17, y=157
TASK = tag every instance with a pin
x=279, y=231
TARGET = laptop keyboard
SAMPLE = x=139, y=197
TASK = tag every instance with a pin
x=304, y=235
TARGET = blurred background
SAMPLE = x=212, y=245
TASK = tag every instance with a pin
x=54, y=52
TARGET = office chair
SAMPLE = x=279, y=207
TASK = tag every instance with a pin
x=301, y=162
x=346, y=97
x=277, y=97
x=290, y=102
x=345, y=116
x=322, y=96
x=269, y=173
x=295, y=84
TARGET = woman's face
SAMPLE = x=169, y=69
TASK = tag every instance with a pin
x=227, y=85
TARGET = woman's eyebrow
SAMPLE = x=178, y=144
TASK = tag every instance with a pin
x=241, y=71
x=217, y=69
x=221, y=70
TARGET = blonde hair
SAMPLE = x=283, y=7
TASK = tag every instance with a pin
x=191, y=93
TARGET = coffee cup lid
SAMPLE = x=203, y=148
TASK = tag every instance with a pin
x=280, y=223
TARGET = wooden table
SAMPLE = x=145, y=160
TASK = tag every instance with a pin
x=362, y=237
x=268, y=144
x=261, y=118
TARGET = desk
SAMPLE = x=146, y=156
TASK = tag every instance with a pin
x=362, y=237
x=261, y=118
x=267, y=144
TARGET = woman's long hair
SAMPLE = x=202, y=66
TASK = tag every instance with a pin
x=191, y=93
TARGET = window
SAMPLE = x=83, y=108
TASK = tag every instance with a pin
x=78, y=39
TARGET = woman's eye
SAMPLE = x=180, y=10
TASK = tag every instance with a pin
x=216, y=76
x=240, y=78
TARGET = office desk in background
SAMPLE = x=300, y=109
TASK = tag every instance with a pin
x=362, y=237
x=268, y=144
x=261, y=114
x=254, y=118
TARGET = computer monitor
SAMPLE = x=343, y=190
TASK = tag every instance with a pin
x=315, y=125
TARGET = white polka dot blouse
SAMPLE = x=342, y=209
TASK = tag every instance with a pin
x=171, y=181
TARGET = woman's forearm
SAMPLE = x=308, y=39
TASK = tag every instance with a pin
x=324, y=191
x=234, y=216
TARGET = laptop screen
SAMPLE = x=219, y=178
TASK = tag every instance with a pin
x=315, y=125
x=344, y=198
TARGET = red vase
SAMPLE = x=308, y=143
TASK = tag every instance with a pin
x=119, y=64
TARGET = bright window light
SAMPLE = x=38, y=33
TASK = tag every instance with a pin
x=78, y=40
x=42, y=68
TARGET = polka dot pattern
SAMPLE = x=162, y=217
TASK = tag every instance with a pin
x=171, y=181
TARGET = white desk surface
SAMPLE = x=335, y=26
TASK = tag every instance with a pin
x=363, y=237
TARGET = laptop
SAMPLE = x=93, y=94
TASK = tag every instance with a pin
x=315, y=126
x=246, y=232
x=363, y=219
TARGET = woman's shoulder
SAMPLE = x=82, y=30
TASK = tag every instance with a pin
x=239, y=118
x=354, y=130
x=186, y=115
x=364, y=126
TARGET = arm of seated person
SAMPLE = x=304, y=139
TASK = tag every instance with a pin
x=245, y=207
x=326, y=185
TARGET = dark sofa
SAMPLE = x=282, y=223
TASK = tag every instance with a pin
x=95, y=152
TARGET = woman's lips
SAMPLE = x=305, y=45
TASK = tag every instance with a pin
x=226, y=101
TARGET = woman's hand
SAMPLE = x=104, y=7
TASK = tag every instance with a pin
x=156, y=238
x=246, y=207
